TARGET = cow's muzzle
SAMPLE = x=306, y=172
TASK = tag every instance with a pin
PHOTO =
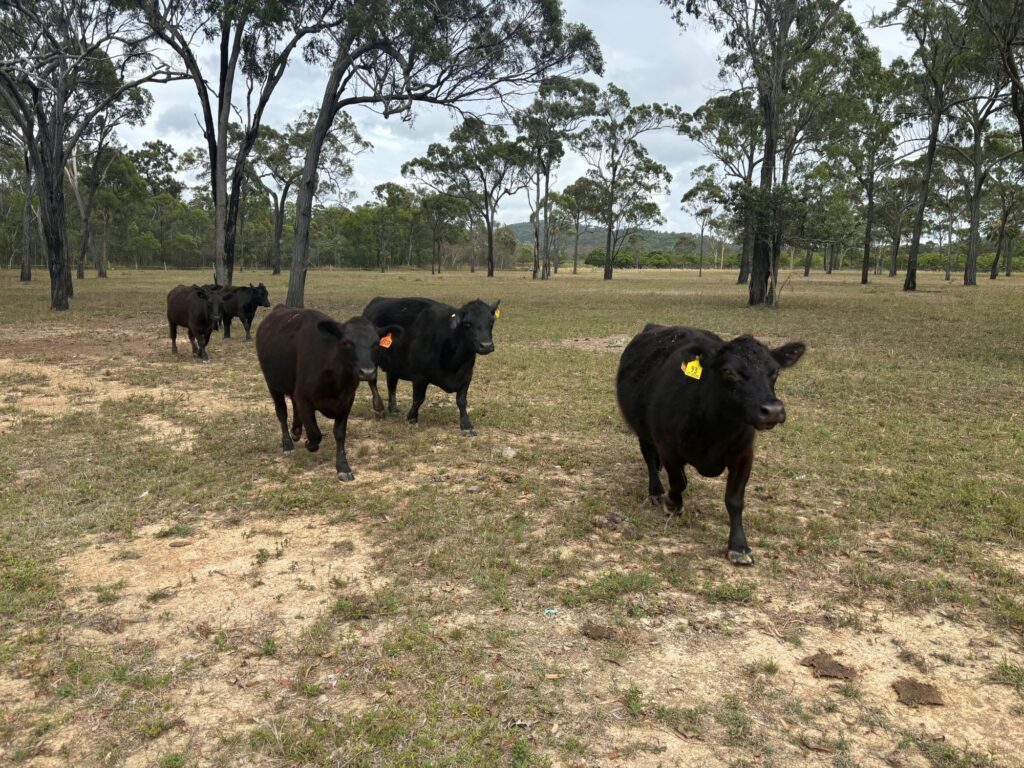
x=366, y=374
x=770, y=415
x=485, y=349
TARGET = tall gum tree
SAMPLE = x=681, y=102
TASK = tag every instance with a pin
x=771, y=38
x=940, y=35
x=620, y=168
x=481, y=165
x=255, y=40
x=61, y=65
x=453, y=53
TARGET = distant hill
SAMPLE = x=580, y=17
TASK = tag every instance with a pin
x=652, y=240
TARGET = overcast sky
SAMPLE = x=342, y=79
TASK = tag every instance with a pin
x=644, y=52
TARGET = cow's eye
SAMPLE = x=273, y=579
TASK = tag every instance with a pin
x=731, y=374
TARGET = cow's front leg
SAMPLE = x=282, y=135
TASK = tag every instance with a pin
x=247, y=324
x=392, y=391
x=340, y=459
x=192, y=340
x=227, y=327
x=672, y=502
x=735, y=489
x=461, y=400
x=419, y=394
x=378, y=403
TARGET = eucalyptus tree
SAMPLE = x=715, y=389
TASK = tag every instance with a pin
x=575, y=205
x=702, y=201
x=728, y=127
x=1007, y=191
x=392, y=54
x=481, y=165
x=868, y=143
x=62, y=65
x=947, y=204
x=255, y=42
x=132, y=108
x=278, y=159
x=624, y=175
x=897, y=197
x=941, y=38
x=560, y=109
x=445, y=216
x=974, y=143
x=1001, y=24
x=772, y=39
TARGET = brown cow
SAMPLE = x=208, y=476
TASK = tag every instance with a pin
x=318, y=363
x=196, y=309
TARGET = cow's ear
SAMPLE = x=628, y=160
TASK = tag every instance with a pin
x=453, y=321
x=494, y=308
x=331, y=328
x=395, y=331
x=788, y=354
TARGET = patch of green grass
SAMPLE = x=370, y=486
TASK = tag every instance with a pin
x=108, y=594
x=172, y=760
x=611, y=586
x=175, y=531
x=158, y=595
x=1008, y=673
x=734, y=719
x=742, y=592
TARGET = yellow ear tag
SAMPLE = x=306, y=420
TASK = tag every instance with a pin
x=497, y=314
x=693, y=368
x=385, y=341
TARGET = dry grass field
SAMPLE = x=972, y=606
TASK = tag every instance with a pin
x=175, y=591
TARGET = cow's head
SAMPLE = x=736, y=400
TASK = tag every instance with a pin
x=746, y=370
x=476, y=320
x=214, y=303
x=260, y=294
x=360, y=339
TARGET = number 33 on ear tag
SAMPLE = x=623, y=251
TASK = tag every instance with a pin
x=693, y=368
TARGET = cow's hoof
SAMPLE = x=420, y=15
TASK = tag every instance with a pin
x=412, y=422
x=670, y=509
x=204, y=360
x=287, y=445
x=741, y=558
x=655, y=500
x=312, y=447
x=469, y=432
x=378, y=414
x=346, y=476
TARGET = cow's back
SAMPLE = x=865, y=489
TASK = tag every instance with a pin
x=277, y=344
x=179, y=300
x=383, y=311
x=649, y=372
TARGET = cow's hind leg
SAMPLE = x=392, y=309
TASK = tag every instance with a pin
x=247, y=324
x=419, y=394
x=195, y=347
x=227, y=326
x=296, y=422
x=308, y=415
x=174, y=336
x=655, y=490
x=378, y=403
x=392, y=389
x=281, y=409
x=672, y=502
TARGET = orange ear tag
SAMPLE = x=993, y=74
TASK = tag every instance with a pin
x=385, y=341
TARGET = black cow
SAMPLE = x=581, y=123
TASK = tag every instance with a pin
x=694, y=398
x=439, y=347
x=317, y=363
x=196, y=309
x=242, y=302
